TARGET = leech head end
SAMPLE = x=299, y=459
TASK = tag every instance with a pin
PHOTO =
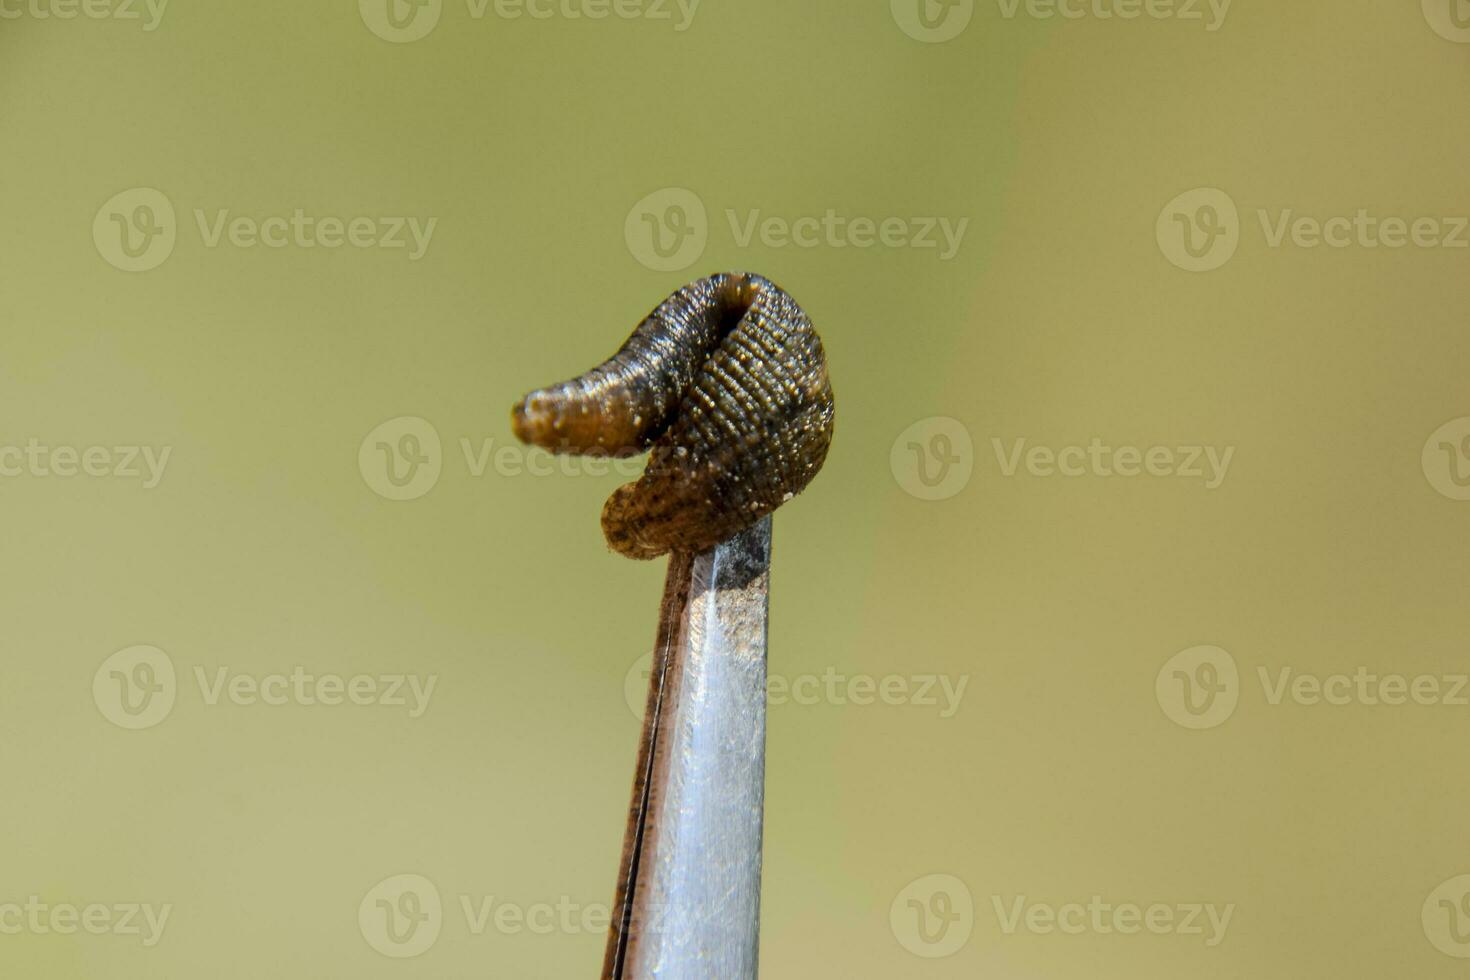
x=537, y=420
x=563, y=419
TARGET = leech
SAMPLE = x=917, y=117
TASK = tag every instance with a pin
x=726, y=383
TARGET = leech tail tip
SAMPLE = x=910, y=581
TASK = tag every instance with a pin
x=624, y=535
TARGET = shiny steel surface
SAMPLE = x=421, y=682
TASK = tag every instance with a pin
x=688, y=897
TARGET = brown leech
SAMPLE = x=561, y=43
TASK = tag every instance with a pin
x=726, y=383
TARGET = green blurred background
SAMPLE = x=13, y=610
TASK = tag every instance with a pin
x=539, y=145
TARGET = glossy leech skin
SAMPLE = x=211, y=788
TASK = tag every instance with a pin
x=726, y=383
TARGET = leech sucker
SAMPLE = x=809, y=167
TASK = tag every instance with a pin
x=726, y=383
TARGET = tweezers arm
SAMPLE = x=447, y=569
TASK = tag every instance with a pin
x=688, y=897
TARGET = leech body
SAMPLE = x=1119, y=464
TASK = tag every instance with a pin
x=726, y=383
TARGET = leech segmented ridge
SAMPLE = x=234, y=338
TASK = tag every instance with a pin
x=725, y=382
